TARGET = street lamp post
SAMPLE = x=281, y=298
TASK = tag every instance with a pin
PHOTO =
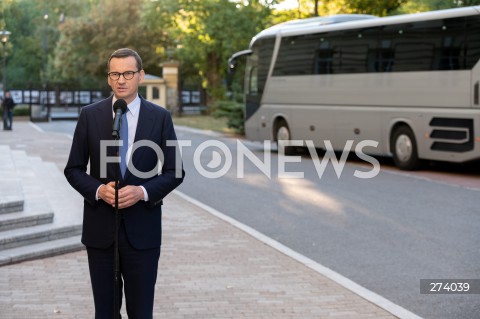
x=44, y=64
x=44, y=48
x=4, y=38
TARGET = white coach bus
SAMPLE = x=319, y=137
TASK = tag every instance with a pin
x=409, y=82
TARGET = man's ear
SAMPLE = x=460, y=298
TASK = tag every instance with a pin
x=141, y=76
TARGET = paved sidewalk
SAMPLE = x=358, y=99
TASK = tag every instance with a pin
x=209, y=268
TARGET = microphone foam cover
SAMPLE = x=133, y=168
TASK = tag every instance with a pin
x=120, y=104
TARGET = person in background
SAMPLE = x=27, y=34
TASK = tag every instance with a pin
x=8, y=104
x=140, y=196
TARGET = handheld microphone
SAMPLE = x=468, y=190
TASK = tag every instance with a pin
x=120, y=106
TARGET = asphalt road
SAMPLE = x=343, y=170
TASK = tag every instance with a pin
x=385, y=233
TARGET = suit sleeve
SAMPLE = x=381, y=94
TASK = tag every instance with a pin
x=76, y=168
x=172, y=173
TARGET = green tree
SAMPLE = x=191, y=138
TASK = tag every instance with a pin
x=204, y=33
x=429, y=5
x=87, y=41
x=35, y=31
x=378, y=8
x=311, y=8
x=23, y=46
x=467, y=3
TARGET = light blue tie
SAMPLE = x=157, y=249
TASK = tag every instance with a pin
x=124, y=147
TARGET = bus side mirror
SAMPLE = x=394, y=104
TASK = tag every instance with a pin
x=232, y=61
x=231, y=65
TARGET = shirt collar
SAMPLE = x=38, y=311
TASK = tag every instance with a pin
x=133, y=107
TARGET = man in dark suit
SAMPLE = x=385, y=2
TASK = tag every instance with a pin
x=140, y=194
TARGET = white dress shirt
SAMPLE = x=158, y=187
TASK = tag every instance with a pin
x=133, y=110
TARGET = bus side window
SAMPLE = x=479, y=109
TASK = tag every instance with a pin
x=385, y=58
x=450, y=44
x=472, y=41
x=413, y=56
x=448, y=55
x=323, y=63
x=354, y=58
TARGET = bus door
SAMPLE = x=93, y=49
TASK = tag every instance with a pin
x=472, y=58
x=476, y=86
x=252, y=98
x=258, y=66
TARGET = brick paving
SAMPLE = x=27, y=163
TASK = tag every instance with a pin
x=208, y=269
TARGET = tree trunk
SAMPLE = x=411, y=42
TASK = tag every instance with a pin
x=214, y=83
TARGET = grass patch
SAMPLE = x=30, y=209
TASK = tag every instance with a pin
x=203, y=122
x=19, y=110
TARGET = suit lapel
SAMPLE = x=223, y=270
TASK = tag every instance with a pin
x=145, y=125
x=145, y=122
x=103, y=117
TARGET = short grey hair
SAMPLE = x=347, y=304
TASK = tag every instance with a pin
x=125, y=53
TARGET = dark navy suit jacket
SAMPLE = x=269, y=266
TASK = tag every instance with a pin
x=143, y=220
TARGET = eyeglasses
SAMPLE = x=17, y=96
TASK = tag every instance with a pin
x=127, y=75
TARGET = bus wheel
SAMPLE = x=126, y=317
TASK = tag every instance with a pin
x=282, y=133
x=404, y=149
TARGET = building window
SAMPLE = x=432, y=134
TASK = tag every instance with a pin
x=155, y=93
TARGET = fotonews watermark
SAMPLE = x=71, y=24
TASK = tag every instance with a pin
x=222, y=158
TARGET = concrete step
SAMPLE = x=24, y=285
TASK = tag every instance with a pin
x=36, y=234
x=36, y=208
x=11, y=192
x=11, y=205
x=24, y=219
x=45, y=186
x=41, y=250
x=51, y=220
